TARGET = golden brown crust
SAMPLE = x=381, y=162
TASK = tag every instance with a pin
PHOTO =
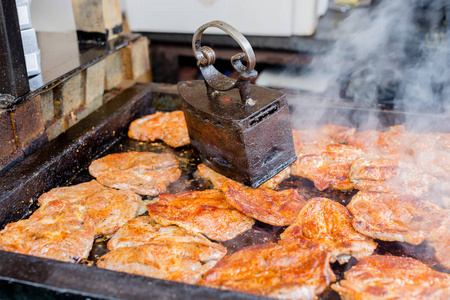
x=392, y=277
x=169, y=127
x=206, y=212
x=328, y=166
x=289, y=270
x=110, y=209
x=279, y=208
x=392, y=217
x=143, y=230
x=59, y=230
x=72, y=194
x=184, y=262
x=107, y=208
x=393, y=143
x=219, y=180
x=145, y=173
x=330, y=224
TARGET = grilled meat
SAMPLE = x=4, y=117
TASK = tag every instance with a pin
x=442, y=250
x=432, y=154
x=145, y=173
x=59, y=230
x=330, y=224
x=392, y=277
x=107, y=208
x=394, y=143
x=169, y=127
x=144, y=230
x=290, y=270
x=219, y=180
x=278, y=208
x=403, y=218
x=206, y=212
x=73, y=194
x=171, y=260
x=388, y=175
x=328, y=167
x=321, y=136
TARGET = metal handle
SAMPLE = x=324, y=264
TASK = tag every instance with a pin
x=216, y=81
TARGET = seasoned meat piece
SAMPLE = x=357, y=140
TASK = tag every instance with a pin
x=388, y=175
x=279, y=208
x=372, y=167
x=322, y=136
x=144, y=230
x=442, y=250
x=111, y=209
x=107, y=208
x=169, y=127
x=72, y=194
x=432, y=154
x=290, y=270
x=329, y=167
x=394, y=143
x=59, y=230
x=392, y=277
x=206, y=212
x=391, y=217
x=177, y=261
x=330, y=224
x=339, y=134
x=145, y=173
x=219, y=180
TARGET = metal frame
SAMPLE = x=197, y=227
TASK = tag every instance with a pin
x=13, y=75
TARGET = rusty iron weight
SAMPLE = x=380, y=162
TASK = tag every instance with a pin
x=215, y=80
x=240, y=130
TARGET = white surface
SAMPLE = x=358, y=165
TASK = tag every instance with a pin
x=305, y=17
x=250, y=17
x=322, y=7
x=52, y=15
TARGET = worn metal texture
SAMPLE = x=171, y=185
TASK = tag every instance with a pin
x=249, y=144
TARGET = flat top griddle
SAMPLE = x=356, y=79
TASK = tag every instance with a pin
x=65, y=162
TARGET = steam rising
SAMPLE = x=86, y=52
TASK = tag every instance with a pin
x=395, y=54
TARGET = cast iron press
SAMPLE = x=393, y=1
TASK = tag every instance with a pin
x=240, y=130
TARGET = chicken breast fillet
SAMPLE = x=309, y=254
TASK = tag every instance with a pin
x=206, y=212
x=432, y=154
x=389, y=175
x=108, y=208
x=403, y=218
x=144, y=230
x=392, y=277
x=328, y=167
x=73, y=194
x=289, y=270
x=219, y=180
x=442, y=250
x=59, y=230
x=330, y=224
x=393, y=143
x=177, y=261
x=168, y=127
x=145, y=173
x=279, y=208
